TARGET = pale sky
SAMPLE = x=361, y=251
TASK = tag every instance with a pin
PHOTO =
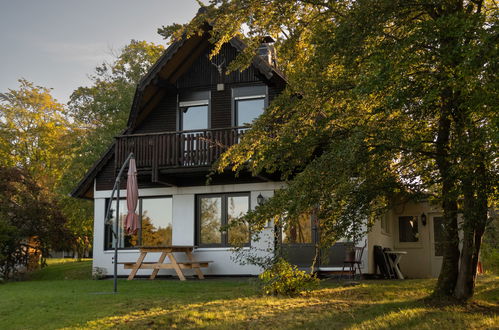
x=58, y=43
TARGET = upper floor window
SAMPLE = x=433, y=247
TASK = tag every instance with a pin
x=194, y=111
x=249, y=104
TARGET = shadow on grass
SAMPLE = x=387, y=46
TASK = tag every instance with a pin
x=374, y=305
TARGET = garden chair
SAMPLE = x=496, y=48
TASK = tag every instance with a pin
x=353, y=260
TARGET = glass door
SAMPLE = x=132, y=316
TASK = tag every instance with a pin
x=436, y=244
x=299, y=240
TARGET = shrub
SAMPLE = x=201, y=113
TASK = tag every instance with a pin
x=99, y=273
x=282, y=278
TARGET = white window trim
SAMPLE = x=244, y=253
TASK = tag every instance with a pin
x=251, y=97
x=186, y=104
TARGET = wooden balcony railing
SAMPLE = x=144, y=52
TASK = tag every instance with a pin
x=176, y=149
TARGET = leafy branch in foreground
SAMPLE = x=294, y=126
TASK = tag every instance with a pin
x=384, y=98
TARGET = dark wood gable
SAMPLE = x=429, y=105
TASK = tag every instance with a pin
x=184, y=67
x=204, y=74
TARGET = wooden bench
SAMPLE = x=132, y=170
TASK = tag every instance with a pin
x=166, y=251
x=155, y=265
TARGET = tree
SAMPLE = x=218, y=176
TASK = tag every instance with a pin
x=100, y=113
x=29, y=220
x=385, y=99
x=38, y=136
x=101, y=110
x=34, y=133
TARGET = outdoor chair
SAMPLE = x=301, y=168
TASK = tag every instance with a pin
x=353, y=260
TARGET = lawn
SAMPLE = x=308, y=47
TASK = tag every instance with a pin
x=63, y=295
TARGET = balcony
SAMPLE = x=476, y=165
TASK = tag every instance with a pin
x=180, y=149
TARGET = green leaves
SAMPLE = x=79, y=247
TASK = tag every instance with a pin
x=384, y=98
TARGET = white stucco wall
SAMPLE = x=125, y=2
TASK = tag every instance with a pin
x=377, y=236
x=183, y=218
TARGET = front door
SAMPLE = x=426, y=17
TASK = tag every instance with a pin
x=436, y=248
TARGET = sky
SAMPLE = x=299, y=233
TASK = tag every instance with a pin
x=58, y=43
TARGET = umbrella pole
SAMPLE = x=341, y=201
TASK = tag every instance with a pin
x=117, y=233
x=117, y=187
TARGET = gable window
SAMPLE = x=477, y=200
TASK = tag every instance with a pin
x=218, y=210
x=249, y=104
x=194, y=111
x=155, y=227
x=408, y=229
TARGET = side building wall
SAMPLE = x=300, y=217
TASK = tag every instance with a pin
x=421, y=260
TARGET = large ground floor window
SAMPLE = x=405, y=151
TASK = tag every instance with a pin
x=155, y=227
x=214, y=212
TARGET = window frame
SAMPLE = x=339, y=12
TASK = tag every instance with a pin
x=416, y=244
x=139, y=233
x=386, y=229
x=193, y=99
x=224, y=220
x=253, y=92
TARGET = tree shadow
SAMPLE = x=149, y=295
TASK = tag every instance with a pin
x=360, y=306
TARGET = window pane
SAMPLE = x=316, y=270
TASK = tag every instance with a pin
x=408, y=229
x=210, y=218
x=298, y=232
x=238, y=206
x=195, y=117
x=156, y=221
x=249, y=110
x=125, y=240
x=438, y=233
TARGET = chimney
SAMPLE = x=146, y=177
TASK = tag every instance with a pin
x=267, y=51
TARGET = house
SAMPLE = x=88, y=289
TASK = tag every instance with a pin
x=185, y=112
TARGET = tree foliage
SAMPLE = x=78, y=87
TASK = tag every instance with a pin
x=100, y=113
x=29, y=219
x=35, y=133
x=102, y=108
x=386, y=101
x=54, y=145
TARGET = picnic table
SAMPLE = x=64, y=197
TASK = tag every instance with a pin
x=166, y=251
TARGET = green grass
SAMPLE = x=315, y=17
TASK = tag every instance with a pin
x=63, y=295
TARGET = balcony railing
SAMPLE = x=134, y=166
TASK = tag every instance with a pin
x=195, y=148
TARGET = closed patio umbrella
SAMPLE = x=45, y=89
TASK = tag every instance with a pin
x=132, y=199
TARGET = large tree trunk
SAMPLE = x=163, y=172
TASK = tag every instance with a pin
x=450, y=263
x=475, y=188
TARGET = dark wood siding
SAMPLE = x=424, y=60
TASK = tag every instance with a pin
x=204, y=72
x=274, y=91
x=202, y=76
x=221, y=108
x=162, y=118
x=106, y=177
